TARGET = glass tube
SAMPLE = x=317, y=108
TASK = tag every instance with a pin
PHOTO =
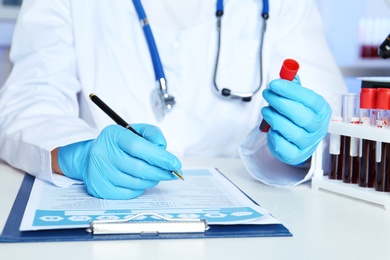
x=383, y=149
x=336, y=157
x=367, y=154
x=350, y=113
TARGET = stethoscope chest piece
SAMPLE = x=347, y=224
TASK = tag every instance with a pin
x=161, y=101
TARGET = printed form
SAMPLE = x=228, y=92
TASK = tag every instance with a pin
x=205, y=194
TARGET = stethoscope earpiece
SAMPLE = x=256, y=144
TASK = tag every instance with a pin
x=225, y=92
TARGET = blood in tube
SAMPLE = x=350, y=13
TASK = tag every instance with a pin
x=336, y=156
x=382, y=169
x=354, y=168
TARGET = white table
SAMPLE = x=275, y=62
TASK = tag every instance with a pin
x=324, y=226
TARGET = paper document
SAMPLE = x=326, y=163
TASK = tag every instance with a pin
x=205, y=194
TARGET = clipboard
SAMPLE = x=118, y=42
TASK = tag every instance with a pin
x=11, y=231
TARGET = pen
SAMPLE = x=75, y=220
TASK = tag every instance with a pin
x=120, y=121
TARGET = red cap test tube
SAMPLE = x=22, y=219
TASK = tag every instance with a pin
x=288, y=71
x=382, y=178
x=368, y=100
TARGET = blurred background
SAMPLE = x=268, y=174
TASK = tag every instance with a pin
x=354, y=29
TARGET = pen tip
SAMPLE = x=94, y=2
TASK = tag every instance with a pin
x=91, y=95
x=178, y=175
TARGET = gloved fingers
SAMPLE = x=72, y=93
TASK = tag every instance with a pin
x=290, y=131
x=123, y=179
x=140, y=169
x=104, y=180
x=299, y=113
x=130, y=182
x=147, y=151
x=114, y=139
x=294, y=91
x=100, y=187
x=151, y=133
x=286, y=151
x=297, y=79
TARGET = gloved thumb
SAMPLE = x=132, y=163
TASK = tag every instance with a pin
x=297, y=79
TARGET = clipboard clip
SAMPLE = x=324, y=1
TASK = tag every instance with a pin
x=162, y=224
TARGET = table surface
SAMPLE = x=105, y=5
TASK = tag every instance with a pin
x=325, y=225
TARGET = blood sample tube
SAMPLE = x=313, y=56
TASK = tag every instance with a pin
x=354, y=168
x=336, y=158
x=368, y=96
x=350, y=112
x=288, y=71
x=383, y=148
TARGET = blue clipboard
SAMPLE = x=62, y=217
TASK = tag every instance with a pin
x=11, y=231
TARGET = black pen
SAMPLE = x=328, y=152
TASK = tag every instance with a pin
x=114, y=116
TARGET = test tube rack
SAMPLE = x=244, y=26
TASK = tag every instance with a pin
x=321, y=158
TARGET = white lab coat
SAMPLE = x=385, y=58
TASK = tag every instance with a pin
x=65, y=50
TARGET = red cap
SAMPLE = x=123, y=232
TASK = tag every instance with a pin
x=383, y=99
x=289, y=69
x=368, y=98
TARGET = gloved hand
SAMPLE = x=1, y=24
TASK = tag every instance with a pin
x=119, y=164
x=299, y=120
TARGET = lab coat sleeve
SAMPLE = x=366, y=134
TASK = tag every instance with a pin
x=263, y=166
x=294, y=31
x=39, y=101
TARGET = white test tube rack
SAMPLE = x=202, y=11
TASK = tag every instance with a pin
x=321, y=159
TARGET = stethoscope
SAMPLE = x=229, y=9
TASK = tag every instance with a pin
x=162, y=101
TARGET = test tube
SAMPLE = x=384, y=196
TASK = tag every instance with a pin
x=336, y=157
x=383, y=148
x=288, y=71
x=368, y=96
x=350, y=112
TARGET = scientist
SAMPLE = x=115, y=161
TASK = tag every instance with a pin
x=199, y=72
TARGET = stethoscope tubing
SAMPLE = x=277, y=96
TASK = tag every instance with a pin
x=225, y=92
x=157, y=65
x=158, y=68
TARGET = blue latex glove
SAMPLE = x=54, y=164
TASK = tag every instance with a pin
x=119, y=164
x=299, y=120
